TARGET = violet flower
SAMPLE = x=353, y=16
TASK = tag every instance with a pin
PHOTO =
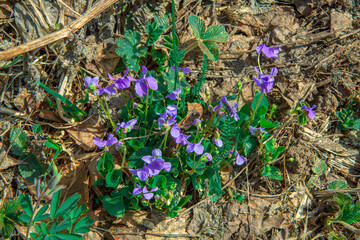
x=195, y=147
x=174, y=95
x=182, y=138
x=142, y=84
x=254, y=129
x=218, y=142
x=168, y=117
x=271, y=52
x=240, y=160
x=126, y=126
x=175, y=131
x=208, y=157
x=266, y=82
x=232, y=109
x=102, y=143
x=148, y=194
x=311, y=112
x=109, y=90
x=123, y=82
x=91, y=82
x=184, y=70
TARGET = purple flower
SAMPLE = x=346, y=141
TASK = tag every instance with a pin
x=109, y=90
x=217, y=142
x=266, y=82
x=168, y=116
x=142, y=84
x=153, y=164
x=208, y=156
x=184, y=70
x=232, y=109
x=311, y=112
x=126, y=126
x=174, y=95
x=271, y=52
x=240, y=160
x=182, y=138
x=146, y=193
x=175, y=131
x=91, y=82
x=197, y=123
x=195, y=147
x=102, y=143
x=253, y=130
x=119, y=144
x=123, y=82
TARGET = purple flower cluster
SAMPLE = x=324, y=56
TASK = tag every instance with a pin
x=232, y=109
x=127, y=127
x=146, y=193
x=107, y=143
x=266, y=82
x=153, y=164
x=142, y=85
x=168, y=117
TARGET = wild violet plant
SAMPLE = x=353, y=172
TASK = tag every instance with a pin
x=168, y=156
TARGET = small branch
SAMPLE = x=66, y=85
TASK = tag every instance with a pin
x=64, y=33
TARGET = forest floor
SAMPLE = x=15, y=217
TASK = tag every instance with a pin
x=319, y=62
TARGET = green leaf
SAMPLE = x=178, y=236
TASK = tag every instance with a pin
x=63, y=99
x=114, y=204
x=85, y=100
x=32, y=169
x=271, y=172
x=319, y=167
x=127, y=48
x=154, y=31
x=211, y=50
x=26, y=205
x=216, y=33
x=113, y=178
x=159, y=181
x=338, y=184
x=7, y=229
x=19, y=139
x=259, y=101
x=198, y=26
x=66, y=236
x=40, y=214
x=105, y=163
x=350, y=213
x=58, y=227
x=55, y=201
x=249, y=145
x=82, y=226
x=68, y=205
x=37, y=129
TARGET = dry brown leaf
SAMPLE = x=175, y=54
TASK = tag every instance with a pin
x=7, y=161
x=5, y=9
x=195, y=110
x=83, y=133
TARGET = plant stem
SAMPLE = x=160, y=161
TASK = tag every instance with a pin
x=33, y=215
x=123, y=160
x=164, y=140
x=127, y=107
x=258, y=60
x=254, y=112
x=175, y=44
x=106, y=111
x=191, y=47
x=146, y=108
x=193, y=166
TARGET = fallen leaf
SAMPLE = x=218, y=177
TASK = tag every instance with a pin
x=83, y=133
x=5, y=9
x=195, y=110
x=7, y=161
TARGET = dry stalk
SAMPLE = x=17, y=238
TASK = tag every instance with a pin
x=63, y=33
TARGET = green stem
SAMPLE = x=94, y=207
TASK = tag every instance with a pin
x=193, y=166
x=164, y=140
x=33, y=216
x=175, y=45
x=106, y=111
x=208, y=126
x=127, y=107
x=123, y=160
x=254, y=112
x=191, y=47
x=258, y=60
x=146, y=108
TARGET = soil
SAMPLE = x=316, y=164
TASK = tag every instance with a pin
x=318, y=63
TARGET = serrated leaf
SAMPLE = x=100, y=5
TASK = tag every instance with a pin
x=19, y=139
x=211, y=49
x=31, y=170
x=271, y=172
x=216, y=33
x=154, y=31
x=198, y=26
x=338, y=184
x=7, y=229
x=319, y=167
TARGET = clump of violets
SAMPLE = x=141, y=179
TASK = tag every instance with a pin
x=153, y=164
x=127, y=127
x=195, y=147
x=147, y=194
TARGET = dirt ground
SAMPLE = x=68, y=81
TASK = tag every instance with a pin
x=319, y=62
